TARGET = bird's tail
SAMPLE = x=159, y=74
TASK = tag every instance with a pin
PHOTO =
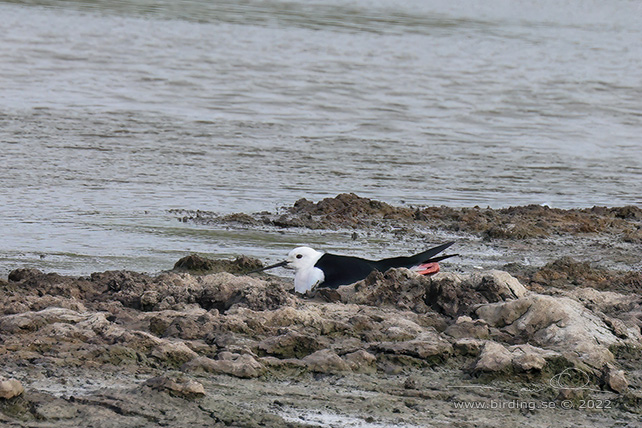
x=427, y=256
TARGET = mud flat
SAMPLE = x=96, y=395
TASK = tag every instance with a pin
x=206, y=344
x=490, y=238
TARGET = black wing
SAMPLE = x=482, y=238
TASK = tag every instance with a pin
x=424, y=257
x=343, y=270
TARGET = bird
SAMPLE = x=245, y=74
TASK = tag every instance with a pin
x=316, y=269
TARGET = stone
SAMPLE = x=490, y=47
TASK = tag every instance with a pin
x=466, y=327
x=428, y=346
x=468, y=346
x=558, y=323
x=399, y=328
x=528, y=362
x=54, y=408
x=24, y=274
x=241, y=366
x=400, y=288
x=31, y=321
x=185, y=388
x=614, y=379
x=361, y=361
x=224, y=290
x=494, y=357
x=199, y=265
x=498, y=285
x=604, y=301
x=456, y=294
x=10, y=388
x=123, y=325
x=526, y=357
x=263, y=353
x=290, y=345
x=326, y=361
x=173, y=353
x=283, y=363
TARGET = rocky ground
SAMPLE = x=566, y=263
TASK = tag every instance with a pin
x=206, y=344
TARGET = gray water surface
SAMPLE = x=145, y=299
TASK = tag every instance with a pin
x=114, y=112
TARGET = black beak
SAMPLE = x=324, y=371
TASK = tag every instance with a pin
x=283, y=263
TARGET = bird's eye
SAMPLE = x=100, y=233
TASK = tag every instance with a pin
x=298, y=256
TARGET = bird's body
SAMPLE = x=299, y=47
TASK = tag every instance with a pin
x=316, y=269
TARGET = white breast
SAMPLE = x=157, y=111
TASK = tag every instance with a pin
x=307, y=279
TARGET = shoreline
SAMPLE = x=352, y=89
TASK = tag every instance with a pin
x=517, y=239
x=349, y=224
x=207, y=345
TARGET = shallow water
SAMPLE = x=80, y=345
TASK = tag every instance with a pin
x=114, y=112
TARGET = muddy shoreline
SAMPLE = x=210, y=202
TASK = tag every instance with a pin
x=348, y=210
x=491, y=238
x=555, y=343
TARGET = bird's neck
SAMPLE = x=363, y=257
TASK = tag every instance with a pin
x=308, y=278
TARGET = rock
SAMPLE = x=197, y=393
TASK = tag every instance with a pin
x=411, y=382
x=32, y=321
x=449, y=293
x=253, y=329
x=200, y=265
x=100, y=334
x=177, y=291
x=604, y=301
x=468, y=346
x=124, y=286
x=614, y=379
x=428, y=346
x=567, y=271
x=497, y=285
x=344, y=210
x=190, y=325
x=53, y=408
x=619, y=328
x=400, y=288
x=352, y=211
x=361, y=361
x=24, y=274
x=223, y=291
x=557, y=323
x=290, y=345
x=283, y=363
x=527, y=358
x=466, y=327
x=185, y=388
x=494, y=358
x=326, y=361
x=528, y=362
x=10, y=388
x=456, y=294
x=399, y=328
x=234, y=343
x=327, y=294
x=241, y=366
x=173, y=353
x=620, y=312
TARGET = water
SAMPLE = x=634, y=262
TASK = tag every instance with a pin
x=114, y=112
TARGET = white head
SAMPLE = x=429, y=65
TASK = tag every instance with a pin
x=306, y=276
x=302, y=258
